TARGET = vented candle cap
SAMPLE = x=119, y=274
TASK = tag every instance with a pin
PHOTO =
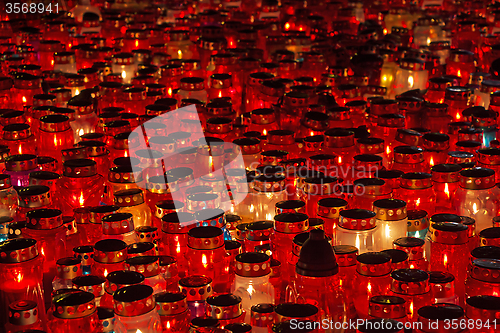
x=73, y=305
x=134, y=300
x=317, y=258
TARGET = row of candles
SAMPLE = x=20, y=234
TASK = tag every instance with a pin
x=234, y=167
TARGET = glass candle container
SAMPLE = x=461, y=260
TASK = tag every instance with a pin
x=445, y=179
x=25, y=87
x=19, y=139
x=135, y=310
x=413, y=286
x=434, y=317
x=117, y=280
x=24, y=316
x=448, y=242
x=197, y=289
x=55, y=134
x=80, y=184
x=19, y=167
x=132, y=201
x=443, y=287
x=173, y=311
x=410, y=75
x=251, y=283
x=123, y=177
x=149, y=266
x=388, y=307
x=416, y=187
x=461, y=63
x=67, y=269
x=414, y=247
x=286, y=227
x=317, y=188
x=92, y=284
x=109, y=256
x=227, y=308
x=458, y=98
x=340, y=142
x=408, y=159
x=316, y=276
x=436, y=146
x=206, y=253
x=357, y=227
x=368, y=190
x=85, y=253
x=266, y=191
x=22, y=277
x=482, y=309
x=372, y=278
x=476, y=196
x=8, y=197
x=328, y=209
x=123, y=64
x=391, y=220
x=119, y=226
x=32, y=197
x=258, y=235
x=192, y=87
x=482, y=278
x=74, y=311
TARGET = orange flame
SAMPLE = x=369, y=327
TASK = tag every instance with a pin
x=446, y=190
x=220, y=94
x=431, y=162
x=24, y=99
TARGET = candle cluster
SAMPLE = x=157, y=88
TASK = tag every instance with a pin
x=250, y=166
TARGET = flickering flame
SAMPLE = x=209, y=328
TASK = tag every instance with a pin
x=384, y=78
x=459, y=74
x=287, y=26
x=220, y=94
x=387, y=150
x=204, y=260
x=411, y=309
x=24, y=99
x=52, y=62
x=369, y=287
x=417, y=203
x=264, y=132
x=178, y=249
x=446, y=190
x=136, y=43
x=19, y=277
x=428, y=41
x=412, y=266
x=252, y=208
x=81, y=199
x=43, y=253
x=474, y=208
x=385, y=31
x=81, y=132
x=169, y=92
x=179, y=54
x=124, y=74
x=77, y=92
x=457, y=116
x=250, y=289
x=410, y=81
x=431, y=162
x=445, y=260
x=138, y=331
x=105, y=272
x=312, y=133
x=340, y=160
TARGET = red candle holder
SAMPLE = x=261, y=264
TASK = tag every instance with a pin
x=109, y=256
x=92, y=284
x=117, y=280
x=22, y=274
x=372, y=278
x=173, y=311
x=417, y=295
x=482, y=308
x=388, y=307
x=74, y=310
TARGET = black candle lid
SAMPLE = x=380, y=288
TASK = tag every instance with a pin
x=200, y=322
x=317, y=258
x=295, y=310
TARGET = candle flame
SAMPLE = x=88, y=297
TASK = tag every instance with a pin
x=412, y=266
x=385, y=31
x=105, y=272
x=220, y=94
x=410, y=81
x=369, y=287
x=124, y=74
x=311, y=133
x=81, y=132
x=387, y=150
x=136, y=43
x=357, y=243
x=431, y=162
x=417, y=203
x=24, y=99
x=81, y=199
x=411, y=309
x=52, y=62
x=458, y=116
x=169, y=92
x=474, y=208
x=340, y=159
x=168, y=325
x=459, y=73
x=42, y=251
x=19, y=277
x=250, y=289
x=446, y=190
x=287, y=26
x=77, y=92
x=179, y=54
x=204, y=261
x=178, y=248
x=264, y=132
x=445, y=260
